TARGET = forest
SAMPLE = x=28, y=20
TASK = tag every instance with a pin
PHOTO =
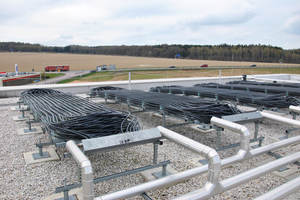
x=222, y=52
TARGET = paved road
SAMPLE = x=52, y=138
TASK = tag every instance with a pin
x=67, y=75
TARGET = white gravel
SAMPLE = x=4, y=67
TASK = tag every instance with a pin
x=37, y=181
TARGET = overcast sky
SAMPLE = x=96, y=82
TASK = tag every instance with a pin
x=137, y=22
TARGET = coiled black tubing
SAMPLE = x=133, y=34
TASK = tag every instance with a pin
x=180, y=106
x=244, y=97
x=69, y=117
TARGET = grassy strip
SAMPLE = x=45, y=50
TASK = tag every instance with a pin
x=177, y=73
x=51, y=75
x=74, y=78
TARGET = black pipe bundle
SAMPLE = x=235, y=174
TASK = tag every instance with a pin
x=252, y=98
x=292, y=85
x=255, y=88
x=179, y=106
x=69, y=117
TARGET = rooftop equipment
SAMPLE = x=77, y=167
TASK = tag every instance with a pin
x=242, y=97
x=66, y=116
x=188, y=108
x=288, y=91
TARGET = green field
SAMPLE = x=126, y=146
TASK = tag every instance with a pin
x=177, y=73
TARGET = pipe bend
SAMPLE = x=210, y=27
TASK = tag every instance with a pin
x=295, y=109
x=86, y=169
x=245, y=135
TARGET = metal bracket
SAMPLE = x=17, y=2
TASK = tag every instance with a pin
x=112, y=176
x=29, y=127
x=145, y=196
x=40, y=154
x=66, y=193
x=161, y=174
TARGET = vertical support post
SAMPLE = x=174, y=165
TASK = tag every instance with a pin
x=287, y=135
x=23, y=114
x=155, y=152
x=164, y=170
x=66, y=192
x=260, y=143
x=50, y=138
x=163, y=116
x=35, y=116
x=40, y=149
x=220, y=76
x=66, y=195
x=218, y=138
x=256, y=129
x=164, y=119
x=128, y=105
x=19, y=102
x=129, y=81
x=105, y=98
x=29, y=126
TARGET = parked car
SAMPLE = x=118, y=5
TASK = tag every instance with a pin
x=92, y=71
x=252, y=65
x=172, y=66
x=204, y=65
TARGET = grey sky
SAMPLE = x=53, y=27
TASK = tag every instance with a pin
x=132, y=22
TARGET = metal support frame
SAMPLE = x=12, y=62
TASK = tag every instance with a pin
x=112, y=176
x=23, y=114
x=256, y=128
x=19, y=105
x=40, y=154
x=260, y=139
x=30, y=129
x=161, y=112
x=155, y=152
x=145, y=196
x=108, y=143
x=56, y=142
x=219, y=135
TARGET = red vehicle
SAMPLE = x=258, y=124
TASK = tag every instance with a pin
x=54, y=68
x=204, y=65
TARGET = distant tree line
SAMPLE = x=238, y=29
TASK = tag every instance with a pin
x=223, y=52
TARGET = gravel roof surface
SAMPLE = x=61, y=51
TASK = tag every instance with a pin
x=37, y=181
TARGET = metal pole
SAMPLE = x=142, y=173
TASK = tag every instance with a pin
x=129, y=81
x=155, y=152
x=220, y=76
x=232, y=66
x=282, y=191
x=185, y=175
x=45, y=73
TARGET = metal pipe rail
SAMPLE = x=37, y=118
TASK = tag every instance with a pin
x=282, y=191
x=243, y=152
x=209, y=153
x=242, y=178
x=182, y=176
x=86, y=170
x=213, y=167
x=209, y=188
x=280, y=119
x=295, y=109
